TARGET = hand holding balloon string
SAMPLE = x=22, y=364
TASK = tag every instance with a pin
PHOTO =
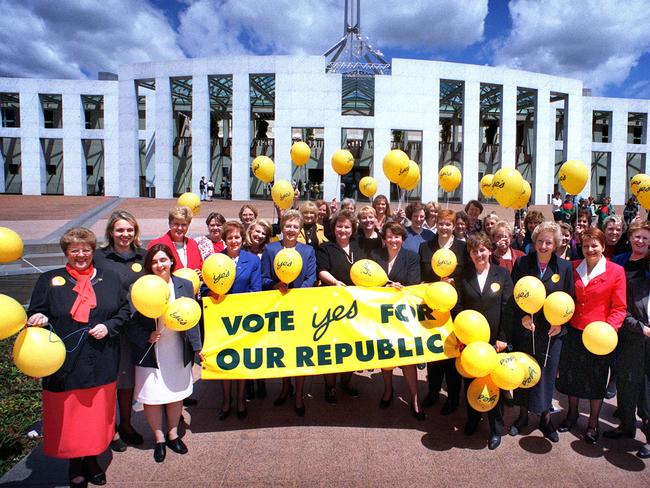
x=41, y=320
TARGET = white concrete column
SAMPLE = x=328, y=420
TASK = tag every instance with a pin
x=577, y=134
x=471, y=109
x=543, y=160
x=282, y=147
x=74, y=163
x=112, y=180
x=332, y=135
x=124, y=182
x=508, y=143
x=382, y=146
x=241, y=136
x=200, y=130
x=617, y=177
x=164, y=139
x=431, y=144
x=32, y=164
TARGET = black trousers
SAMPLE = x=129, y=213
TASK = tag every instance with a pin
x=495, y=416
x=439, y=370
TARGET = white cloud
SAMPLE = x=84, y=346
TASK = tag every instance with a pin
x=598, y=42
x=75, y=39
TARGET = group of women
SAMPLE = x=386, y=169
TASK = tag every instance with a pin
x=116, y=352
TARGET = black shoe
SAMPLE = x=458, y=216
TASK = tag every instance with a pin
x=548, y=429
x=189, y=402
x=644, y=452
x=177, y=445
x=611, y=391
x=93, y=471
x=76, y=475
x=241, y=414
x=449, y=407
x=470, y=427
x=591, y=435
x=616, y=414
x=300, y=411
x=330, y=396
x=418, y=415
x=98, y=479
x=118, y=445
x=567, y=424
x=493, y=442
x=250, y=390
x=131, y=438
x=283, y=397
x=430, y=400
x=261, y=389
x=223, y=414
x=386, y=403
x=619, y=433
x=518, y=426
x=353, y=392
x=159, y=452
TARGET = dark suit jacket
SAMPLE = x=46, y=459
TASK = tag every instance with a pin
x=140, y=327
x=406, y=269
x=495, y=302
x=633, y=346
x=248, y=274
x=426, y=251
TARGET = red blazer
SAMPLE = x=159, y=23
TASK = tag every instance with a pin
x=602, y=299
x=194, y=259
x=508, y=264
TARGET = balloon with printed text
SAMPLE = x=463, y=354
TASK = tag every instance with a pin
x=532, y=371
x=483, y=394
x=449, y=177
x=368, y=186
x=367, y=272
x=182, y=314
x=479, y=358
x=522, y=201
x=530, y=294
x=191, y=276
x=190, y=200
x=150, y=295
x=509, y=373
x=410, y=180
x=643, y=194
x=13, y=316
x=440, y=296
x=573, y=176
x=636, y=181
x=287, y=265
x=486, y=185
x=558, y=308
x=282, y=194
x=443, y=262
x=218, y=273
x=395, y=165
x=263, y=168
x=507, y=185
x=300, y=153
x=342, y=162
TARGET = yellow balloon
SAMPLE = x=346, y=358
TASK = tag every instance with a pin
x=190, y=275
x=368, y=186
x=636, y=181
x=599, y=338
x=342, y=161
x=643, y=194
x=11, y=245
x=509, y=372
x=440, y=296
x=263, y=168
x=395, y=165
x=558, y=308
x=479, y=358
x=483, y=394
x=507, y=185
x=471, y=326
x=532, y=371
x=449, y=177
x=459, y=367
x=443, y=262
x=300, y=153
x=182, y=314
x=486, y=185
x=530, y=294
x=366, y=272
x=38, y=352
x=12, y=318
x=150, y=295
x=573, y=176
x=287, y=265
x=190, y=200
x=524, y=197
x=218, y=273
x=410, y=180
x=282, y=194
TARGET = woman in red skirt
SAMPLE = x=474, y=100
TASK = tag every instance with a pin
x=86, y=307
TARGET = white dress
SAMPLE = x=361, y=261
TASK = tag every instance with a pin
x=172, y=380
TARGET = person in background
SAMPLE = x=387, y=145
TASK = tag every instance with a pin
x=556, y=201
x=631, y=210
x=185, y=250
x=489, y=222
x=474, y=209
x=566, y=249
x=323, y=212
x=431, y=215
x=504, y=255
x=203, y=191
x=247, y=214
x=258, y=235
x=635, y=261
x=600, y=295
x=417, y=234
x=604, y=210
x=312, y=232
x=124, y=255
x=213, y=242
x=163, y=358
x=461, y=226
x=383, y=212
x=86, y=307
x=524, y=239
x=568, y=209
x=367, y=237
x=615, y=243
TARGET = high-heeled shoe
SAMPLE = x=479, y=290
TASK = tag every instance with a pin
x=159, y=452
x=300, y=410
x=241, y=414
x=549, y=431
x=386, y=403
x=280, y=400
x=591, y=435
x=223, y=414
x=567, y=424
x=419, y=415
x=518, y=426
x=76, y=475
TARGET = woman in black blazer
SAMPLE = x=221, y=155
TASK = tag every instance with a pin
x=403, y=269
x=633, y=373
x=557, y=275
x=486, y=288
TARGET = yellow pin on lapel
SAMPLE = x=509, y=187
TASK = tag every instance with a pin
x=58, y=281
x=555, y=278
x=136, y=267
x=495, y=287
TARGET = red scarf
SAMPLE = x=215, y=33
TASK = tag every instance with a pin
x=86, y=299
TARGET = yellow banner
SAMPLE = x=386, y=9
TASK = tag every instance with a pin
x=322, y=330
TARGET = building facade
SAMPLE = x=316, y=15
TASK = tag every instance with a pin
x=156, y=128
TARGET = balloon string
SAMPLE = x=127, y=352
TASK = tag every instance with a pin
x=62, y=339
x=35, y=267
x=148, y=349
x=548, y=346
x=533, y=320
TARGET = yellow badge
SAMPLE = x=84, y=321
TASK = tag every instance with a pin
x=58, y=281
x=555, y=278
x=136, y=267
x=495, y=287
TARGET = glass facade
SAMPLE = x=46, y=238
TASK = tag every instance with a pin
x=452, y=98
x=262, y=118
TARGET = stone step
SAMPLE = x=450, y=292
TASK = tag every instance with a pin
x=44, y=259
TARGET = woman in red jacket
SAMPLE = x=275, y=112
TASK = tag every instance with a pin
x=600, y=295
x=185, y=250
